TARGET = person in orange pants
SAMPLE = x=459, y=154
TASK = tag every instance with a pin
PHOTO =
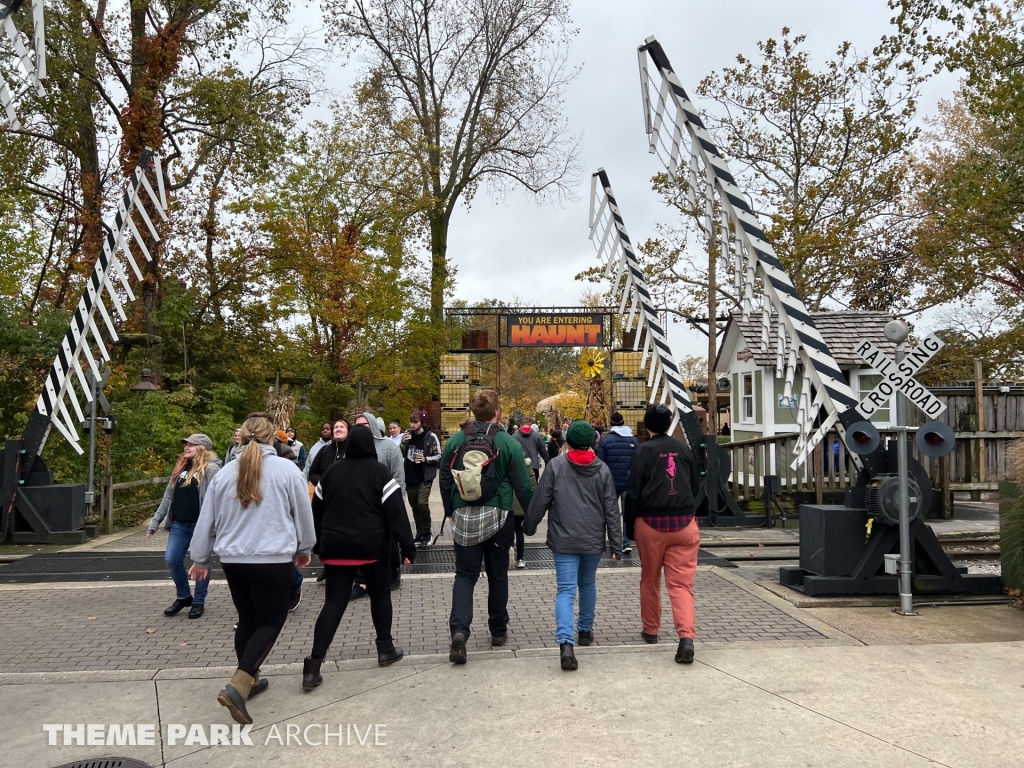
x=663, y=483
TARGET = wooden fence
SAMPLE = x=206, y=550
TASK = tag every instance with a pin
x=108, y=489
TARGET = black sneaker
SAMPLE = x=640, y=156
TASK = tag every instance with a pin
x=423, y=540
x=175, y=608
x=457, y=655
x=396, y=581
x=586, y=638
x=322, y=576
x=497, y=642
x=649, y=639
x=296, y=598
x=196, y=611
x=358, y=591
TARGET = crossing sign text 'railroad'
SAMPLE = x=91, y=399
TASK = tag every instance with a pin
x=899, y=377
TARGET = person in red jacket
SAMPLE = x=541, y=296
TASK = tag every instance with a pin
x=663, y=484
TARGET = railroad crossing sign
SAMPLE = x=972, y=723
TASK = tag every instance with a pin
x=899, y=377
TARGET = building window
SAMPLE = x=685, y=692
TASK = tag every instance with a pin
x=867, y=382
x=747, y=397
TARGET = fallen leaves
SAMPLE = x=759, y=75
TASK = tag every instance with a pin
x=150, y=631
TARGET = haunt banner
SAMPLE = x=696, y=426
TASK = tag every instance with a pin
x=545, y=330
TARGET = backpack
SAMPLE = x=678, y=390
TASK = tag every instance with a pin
x=474, y=466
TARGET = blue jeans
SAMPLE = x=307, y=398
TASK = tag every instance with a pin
x=626, y=542
x=572, y=572
x=178, y=541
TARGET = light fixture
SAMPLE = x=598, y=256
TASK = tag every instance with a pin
x=303, y=405
x=145, y=383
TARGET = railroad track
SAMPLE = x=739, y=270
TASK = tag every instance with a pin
x=958, y=549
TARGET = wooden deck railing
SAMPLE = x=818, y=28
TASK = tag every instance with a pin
x=106, y=499
x=978, y=463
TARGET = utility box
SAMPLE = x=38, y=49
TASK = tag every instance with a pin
x=832, y=538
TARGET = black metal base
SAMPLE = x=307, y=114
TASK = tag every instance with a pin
x=52, y=537
x=835, y=558
x=820, y=586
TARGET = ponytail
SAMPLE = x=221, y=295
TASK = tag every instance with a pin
x=255, y=430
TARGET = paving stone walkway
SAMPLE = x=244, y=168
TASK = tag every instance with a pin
x=108, y=627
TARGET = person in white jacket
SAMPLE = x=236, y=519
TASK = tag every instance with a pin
x=257, y=519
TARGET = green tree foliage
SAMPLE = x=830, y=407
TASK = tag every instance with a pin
x=970, y=183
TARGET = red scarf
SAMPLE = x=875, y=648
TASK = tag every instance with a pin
x=582, y=456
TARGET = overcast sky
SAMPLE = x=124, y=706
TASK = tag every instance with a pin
x=517, y=248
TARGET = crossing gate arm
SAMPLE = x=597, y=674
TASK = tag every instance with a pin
x=672, y=119
x=83, y=334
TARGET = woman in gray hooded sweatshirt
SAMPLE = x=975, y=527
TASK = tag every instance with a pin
x=257, y=518
x=577, y=492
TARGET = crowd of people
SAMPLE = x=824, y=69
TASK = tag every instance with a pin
x=273, y=504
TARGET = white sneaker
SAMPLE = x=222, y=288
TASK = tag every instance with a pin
x=520, y=565
x=627, y=549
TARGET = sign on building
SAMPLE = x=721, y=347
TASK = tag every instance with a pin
x=551, y=330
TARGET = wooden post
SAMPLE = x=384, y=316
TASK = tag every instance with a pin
x=818, y=472
x=106, y=488
x=979, y=398
x=945, y=470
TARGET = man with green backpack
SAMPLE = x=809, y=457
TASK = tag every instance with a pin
x=481, y=468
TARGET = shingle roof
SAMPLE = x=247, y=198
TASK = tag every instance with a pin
x=841, y=330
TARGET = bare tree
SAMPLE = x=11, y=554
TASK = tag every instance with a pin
x=472, y=90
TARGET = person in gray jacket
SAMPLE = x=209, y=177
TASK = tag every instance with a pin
x=179, y=511
x=257, y=518
x=578, y=493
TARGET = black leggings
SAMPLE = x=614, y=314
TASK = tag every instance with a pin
x=260, y=592
x=520, y=536
x=337, y=592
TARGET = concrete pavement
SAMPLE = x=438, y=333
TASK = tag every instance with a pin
x=856, y=706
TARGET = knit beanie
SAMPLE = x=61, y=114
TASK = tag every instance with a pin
x=581, y=435
x=617, y=420
x=658, y=419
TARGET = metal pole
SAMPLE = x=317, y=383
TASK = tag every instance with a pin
x=906, y=574
x=89, y=496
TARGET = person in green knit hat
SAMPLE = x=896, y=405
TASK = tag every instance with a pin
x=577, y=492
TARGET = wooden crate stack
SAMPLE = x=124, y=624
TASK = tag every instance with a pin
x=630, y=394
x=455, y=393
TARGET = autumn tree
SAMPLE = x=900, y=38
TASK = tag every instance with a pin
x=822, y=153
x=969, y=197
x=471, y=91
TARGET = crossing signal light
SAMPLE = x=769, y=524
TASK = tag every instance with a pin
x=862, y=438
x=935, y=439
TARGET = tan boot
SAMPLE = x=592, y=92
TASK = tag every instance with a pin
x=259, y=685
x=235, y=694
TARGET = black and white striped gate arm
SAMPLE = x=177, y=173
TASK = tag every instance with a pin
x=84, y=334
x=678, y=136
x=32, y=61
x=615, y=251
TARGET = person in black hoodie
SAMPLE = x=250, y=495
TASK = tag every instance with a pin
x=330, y=453
x=663, y=484
x=357, y=506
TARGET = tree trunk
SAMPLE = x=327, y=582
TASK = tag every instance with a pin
x=438, y=265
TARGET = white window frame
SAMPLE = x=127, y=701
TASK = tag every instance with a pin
x=747, y=396
x=884, y=414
